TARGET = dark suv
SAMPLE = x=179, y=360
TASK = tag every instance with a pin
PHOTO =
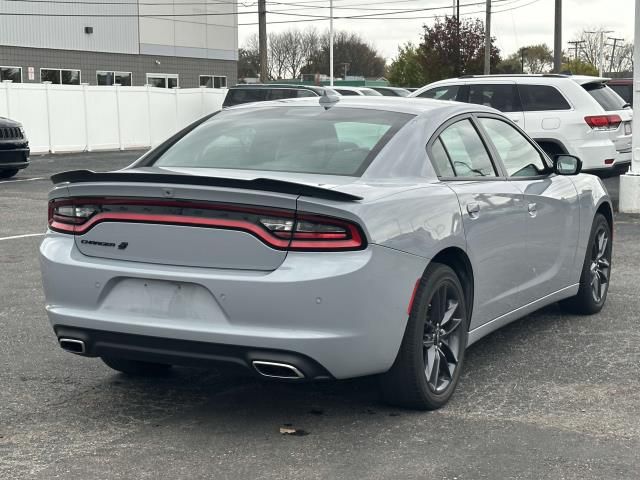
x=14, y=148
x=264, y=92
x=623, y=87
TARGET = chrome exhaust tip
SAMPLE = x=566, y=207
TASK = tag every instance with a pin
x=277, y=370
x=72, y=345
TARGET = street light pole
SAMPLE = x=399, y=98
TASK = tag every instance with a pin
x=630, y=182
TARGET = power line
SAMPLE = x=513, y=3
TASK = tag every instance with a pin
x=392, y=18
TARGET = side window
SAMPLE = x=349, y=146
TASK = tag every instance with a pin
x=502, y=97
x=447, y=92
x=441, y=160
x=468, y=154
x=519, y=157
x=305, y=93
x=539, y=98
x=281, y=93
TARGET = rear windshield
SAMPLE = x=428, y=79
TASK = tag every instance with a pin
x=607, y=98
x=337, y=141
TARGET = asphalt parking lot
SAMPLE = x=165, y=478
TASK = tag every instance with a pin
x=550, y=396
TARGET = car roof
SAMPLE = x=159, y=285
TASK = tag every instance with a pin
x=277, y=85
x=388, y=88
x=415, y=106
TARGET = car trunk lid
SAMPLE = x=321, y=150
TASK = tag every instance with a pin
x=182, y=220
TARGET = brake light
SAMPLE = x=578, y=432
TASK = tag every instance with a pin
x=316, y=232
x=279, y=228
x=603, y=122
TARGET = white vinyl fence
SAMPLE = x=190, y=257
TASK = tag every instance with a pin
x=78, y=118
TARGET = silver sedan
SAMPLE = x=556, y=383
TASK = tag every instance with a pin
x=330, y=238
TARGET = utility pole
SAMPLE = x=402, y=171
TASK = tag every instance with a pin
x=522, y=52
x=458, y=41
x=557, y=39
x=331, y=43
x=262, y=39
x=630, y=182
x=613, y=50
x=487, y=40
x=602, y=33
x=576, y=44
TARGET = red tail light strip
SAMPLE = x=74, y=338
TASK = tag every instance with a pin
x=350, y=239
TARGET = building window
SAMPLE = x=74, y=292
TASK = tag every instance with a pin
x=60, y=76
x=211, y=81
x=162, y=80
x=113, y=78
x=11, y=73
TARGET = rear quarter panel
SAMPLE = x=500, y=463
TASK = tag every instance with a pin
x=591, y=195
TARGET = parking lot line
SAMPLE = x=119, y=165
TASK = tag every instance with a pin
x=23, y=180
x=21, y=236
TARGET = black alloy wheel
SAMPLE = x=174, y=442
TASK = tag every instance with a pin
x=428, y=365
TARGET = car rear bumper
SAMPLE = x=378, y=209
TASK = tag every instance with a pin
x=11, y=158
x=600, y=155
x=191, y=353
x=345, y=311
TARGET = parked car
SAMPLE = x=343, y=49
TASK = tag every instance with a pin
x=14, y=148
x=330, y=238
x=264, y=92
x=392, y=91
x=356, y=91
x=578, y=115
x=623, y=87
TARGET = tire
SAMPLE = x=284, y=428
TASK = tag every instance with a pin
x=406, y=384
x=8, y=173
x=596, y=271
x=136, y=368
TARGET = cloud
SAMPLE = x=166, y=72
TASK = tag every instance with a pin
x=528, y=23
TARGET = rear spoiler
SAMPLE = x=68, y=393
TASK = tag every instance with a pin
x=263, y=184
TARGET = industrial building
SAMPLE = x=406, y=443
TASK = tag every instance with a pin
x=164, y=43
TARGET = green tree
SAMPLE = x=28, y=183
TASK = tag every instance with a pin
x=510, y=65
x=537, y=58
x=579, y=67
x=405, y=70
x=450, y=49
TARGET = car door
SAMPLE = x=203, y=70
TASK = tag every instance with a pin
x=499, y=94
x=547, y=112
x=552, y=209
x=493, y=216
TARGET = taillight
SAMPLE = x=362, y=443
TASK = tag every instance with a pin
x=278, y=228
x=316, y=232
x=603, y=122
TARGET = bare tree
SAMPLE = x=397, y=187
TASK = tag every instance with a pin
x=296, y=57
x=590, y=51
x=278, y=56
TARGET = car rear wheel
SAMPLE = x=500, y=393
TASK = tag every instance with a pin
x=8, y=173
x=136, y=367
x=427, y=368
x=596, y=271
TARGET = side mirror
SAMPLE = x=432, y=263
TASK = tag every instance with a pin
x=567, y=164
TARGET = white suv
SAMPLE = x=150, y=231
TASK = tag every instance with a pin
x=578, y=115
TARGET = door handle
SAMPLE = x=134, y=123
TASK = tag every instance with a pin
x=473, y=209
x=515, y=120
x=533, y=209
